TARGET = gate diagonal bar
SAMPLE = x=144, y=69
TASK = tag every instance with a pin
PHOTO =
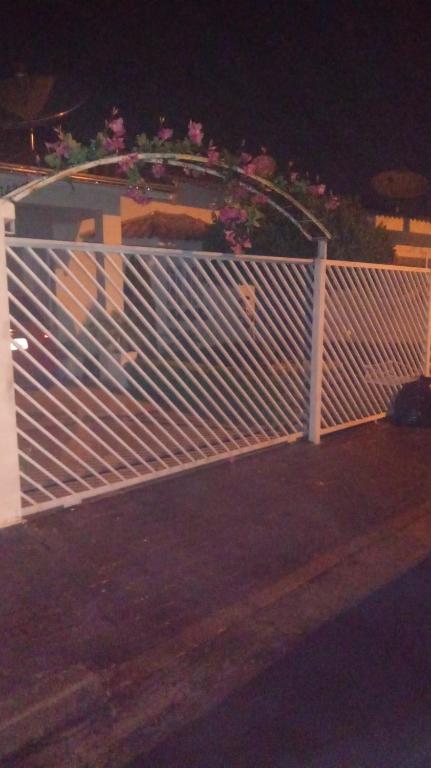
x=136, y=363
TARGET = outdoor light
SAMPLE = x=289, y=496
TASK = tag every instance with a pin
x=18, y=344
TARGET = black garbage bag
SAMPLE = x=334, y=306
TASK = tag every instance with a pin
x=411, y=406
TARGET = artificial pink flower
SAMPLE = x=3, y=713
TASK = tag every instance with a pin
x=195, y=133
x=317, y=189
x=164, y=134
x=250, y=169
x=265, y=165
x=114, y=144
x=229, y=214
x=245, y=158
x=117, y=126
x=238, y=248
x=241, y=245
x=58, y=147
x=230, y=236
x=237, y=243
x=332, y=203
x=213, y=155
x=158, y=170
x=260, y=199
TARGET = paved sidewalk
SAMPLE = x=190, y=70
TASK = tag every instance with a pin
x=124, y=618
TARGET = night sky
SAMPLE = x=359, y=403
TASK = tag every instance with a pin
x=343, y=88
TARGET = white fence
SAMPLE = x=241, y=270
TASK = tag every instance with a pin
x=375, y=338
x=138, y=363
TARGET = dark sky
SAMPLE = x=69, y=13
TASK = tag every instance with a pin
x=341, y=86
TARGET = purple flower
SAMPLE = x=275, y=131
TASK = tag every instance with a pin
x=213, y=155
x=318, y=190
x=239, y=247
x=231, y=214
x=250, y=169
x=245, y=158
x=164, y=134
x=117, y=126
x=158, y=170
x=332, y=203
x=265, y=165
x=195, y=133
x=59, y=148
x=137, y=195
x=113, y=145
x=236, y=243
x=260, y=199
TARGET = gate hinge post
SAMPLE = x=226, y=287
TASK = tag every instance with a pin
x=10, y=497
x=317, y=338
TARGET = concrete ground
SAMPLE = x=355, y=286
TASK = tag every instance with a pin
x=125, y=618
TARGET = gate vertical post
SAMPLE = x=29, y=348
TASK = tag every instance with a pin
x=10, y=497
x=317, y=338
x=427, y=355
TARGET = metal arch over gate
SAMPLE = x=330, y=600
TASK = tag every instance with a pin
x=302, y=218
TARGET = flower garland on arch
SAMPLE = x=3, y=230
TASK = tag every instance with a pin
x=243, y=209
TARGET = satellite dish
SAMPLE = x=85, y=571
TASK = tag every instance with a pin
x=31, y=101
x=399, y=185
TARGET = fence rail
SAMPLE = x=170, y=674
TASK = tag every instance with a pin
x=125, y=364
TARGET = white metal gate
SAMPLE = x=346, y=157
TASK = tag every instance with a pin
x=132, y=364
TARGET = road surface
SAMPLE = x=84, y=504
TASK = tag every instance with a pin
x=357, y=694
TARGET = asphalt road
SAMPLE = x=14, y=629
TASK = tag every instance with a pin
x=357, y=694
